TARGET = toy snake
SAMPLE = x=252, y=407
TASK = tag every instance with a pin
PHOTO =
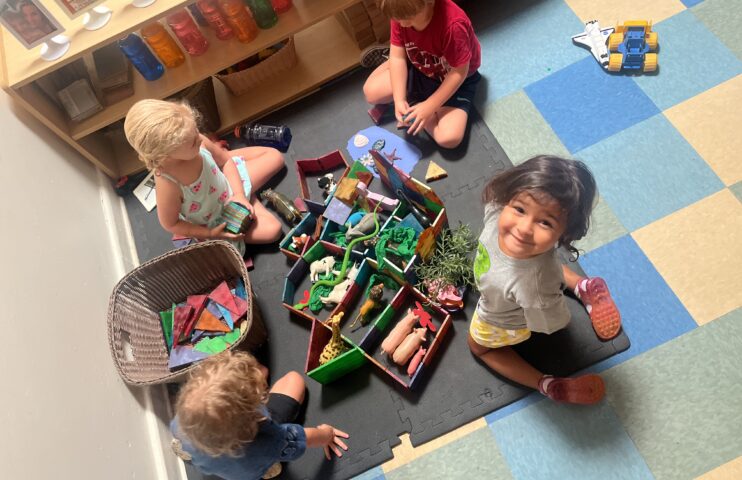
x=346, y=258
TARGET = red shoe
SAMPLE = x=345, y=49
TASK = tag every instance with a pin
x=584, y=390
x=600, y=306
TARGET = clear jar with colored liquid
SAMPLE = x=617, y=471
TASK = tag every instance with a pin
x=140, y=56
x=263, y=13
x=210, y=11
x=187, y=31
x=163, y=45
x=281, y=6
x=239, y=19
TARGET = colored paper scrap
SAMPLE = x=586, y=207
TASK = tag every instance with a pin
x=211, y=345
x=180, y=320
x=183, y=355
x=223, y=297
x=239, y=289
x=227, y=316
x=198, y=303
x=166, y=319
x=211, y=323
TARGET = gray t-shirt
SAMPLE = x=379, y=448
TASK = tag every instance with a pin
x=516, y=293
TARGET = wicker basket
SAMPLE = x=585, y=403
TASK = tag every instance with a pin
x=241, y=82
x=138, y=298
x=201, y=97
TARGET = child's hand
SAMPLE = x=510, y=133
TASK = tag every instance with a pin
x=400, y=110
x=218, y=233
x=332, y=439
x=420, y=116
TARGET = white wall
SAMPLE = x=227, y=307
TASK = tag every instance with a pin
x=65, y=412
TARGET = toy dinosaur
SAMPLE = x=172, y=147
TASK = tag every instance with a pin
x=372, y=302
x=318, y=266
x=282, y=204
x=335, y=347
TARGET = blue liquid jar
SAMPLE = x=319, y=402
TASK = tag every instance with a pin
x=140, y=56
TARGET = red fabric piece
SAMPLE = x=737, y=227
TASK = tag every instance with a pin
x=447, y=42
x=180, y=320
x=198, y=303
x=224, y=297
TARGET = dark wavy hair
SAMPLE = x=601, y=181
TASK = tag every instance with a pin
x=546, y=177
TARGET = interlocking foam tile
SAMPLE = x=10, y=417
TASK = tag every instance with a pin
x=530, y=40
x=604, y=227
x=691, y=60
x=698, y=251
x=405, y=453
x=723, y=18
x=737, y=190
x=611, y=12
x=474, y=456
x=680, y=403
x=651, y=314
x=550, y=440
x=375, y=473
x=583, y=104
x=711, y=122
x=514, y=407
x=649, y=171
x=520, y=129
x=727, y=471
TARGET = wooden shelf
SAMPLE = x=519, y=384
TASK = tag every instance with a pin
x=324, y=51
x=221, y=55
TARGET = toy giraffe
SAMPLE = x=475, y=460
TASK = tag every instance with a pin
x=335, y=346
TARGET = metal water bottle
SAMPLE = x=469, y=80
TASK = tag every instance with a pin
x=187, y=31
x=140, y=56
x=278, y=137
x=210, y=11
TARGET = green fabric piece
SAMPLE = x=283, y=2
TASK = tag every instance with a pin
x=166, y=318
x=315, y=304
x=232, y=336
x=338, y=238
x=212, y=345
x=404, y=237
x=377, y=278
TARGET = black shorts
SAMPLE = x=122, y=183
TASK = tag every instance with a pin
x=420, y=87
x=283, y=409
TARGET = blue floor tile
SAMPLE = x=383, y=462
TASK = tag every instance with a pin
x=503, y=412
x=584, y=104
x=691, y=60
x=550, y=440
x=375, y=473
x=530, y=40
x=651, y=313
x=691, y=3
x=649, y=171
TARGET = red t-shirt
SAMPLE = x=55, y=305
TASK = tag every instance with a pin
x=447, y=42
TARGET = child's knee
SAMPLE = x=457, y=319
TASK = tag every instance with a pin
x=449, y=140
x=276, y=160
x=477, y=349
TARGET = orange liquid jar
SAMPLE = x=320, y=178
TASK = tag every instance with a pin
x=239, y=19
x=163, y=45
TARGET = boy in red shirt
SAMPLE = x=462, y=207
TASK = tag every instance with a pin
x=431, y=75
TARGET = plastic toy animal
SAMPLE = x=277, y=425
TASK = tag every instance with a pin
x=374, y=297
x=282, y=204
x=338, y=291
x=335, y=347
x=318, y=266
x=399, y=332
x=594, y=39
x=409, y=345
x=632, y=43
x=412, y=367
x=298, y=242
x=327, y=183
x=362, y=228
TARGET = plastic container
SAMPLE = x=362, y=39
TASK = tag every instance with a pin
x=263, y=13
x=278, y=137
x=188, y=33
x=163, y=45
x=239, y=19
x=210, y=11
x=140, y=56
x=281, y=6
x=197, y=16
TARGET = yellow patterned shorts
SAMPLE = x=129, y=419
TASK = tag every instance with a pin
x=490, y=336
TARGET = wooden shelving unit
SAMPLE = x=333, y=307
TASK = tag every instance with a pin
x=324, y=50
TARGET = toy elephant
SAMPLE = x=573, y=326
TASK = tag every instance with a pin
x=409, y=345
x=324, y=265
x=399, y=332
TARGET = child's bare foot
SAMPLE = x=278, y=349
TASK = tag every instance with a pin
x=606, y=319
x=585, y=390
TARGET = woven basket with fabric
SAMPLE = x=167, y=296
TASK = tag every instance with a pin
x=243, y=81
x=134, y=330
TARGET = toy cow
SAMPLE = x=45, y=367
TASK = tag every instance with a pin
x=409, y=345
x=399, y=332
x=324, y=265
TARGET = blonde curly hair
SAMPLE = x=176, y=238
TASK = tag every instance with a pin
x=155, y=128
x=219, y=407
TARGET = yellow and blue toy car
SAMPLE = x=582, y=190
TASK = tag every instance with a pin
x=633, y=47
